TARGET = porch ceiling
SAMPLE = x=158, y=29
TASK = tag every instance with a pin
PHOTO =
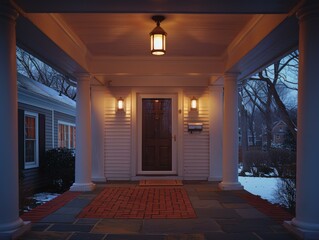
x=110, y=39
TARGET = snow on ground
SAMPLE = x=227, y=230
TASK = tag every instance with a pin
x=264, y=187
x=44, y=197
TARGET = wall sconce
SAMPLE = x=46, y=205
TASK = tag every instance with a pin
x=120, y=104
x=194, y=104
x=158, y=37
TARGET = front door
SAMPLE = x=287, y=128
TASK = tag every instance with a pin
x=156, y=134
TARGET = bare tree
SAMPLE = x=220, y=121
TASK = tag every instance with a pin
x=266, y=91
x=37, y=70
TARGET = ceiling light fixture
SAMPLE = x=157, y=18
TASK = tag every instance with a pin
x=158, y=37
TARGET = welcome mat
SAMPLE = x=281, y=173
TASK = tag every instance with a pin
x=161, y=182
x=139, y=203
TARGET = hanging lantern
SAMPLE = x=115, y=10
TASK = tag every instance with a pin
x=158, y=37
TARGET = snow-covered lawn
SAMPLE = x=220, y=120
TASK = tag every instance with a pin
x=264, y=187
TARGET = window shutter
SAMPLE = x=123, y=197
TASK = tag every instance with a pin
x=21, y=138
x=41, y=138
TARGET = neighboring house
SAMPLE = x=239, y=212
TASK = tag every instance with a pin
x=46, y=120
x=278, y=132
x=252, y=138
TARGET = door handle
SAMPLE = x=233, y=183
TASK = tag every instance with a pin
x=174, y=138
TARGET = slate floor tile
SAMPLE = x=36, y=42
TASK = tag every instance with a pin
x=216, y=213
x=250, y=213
x=185, y=237
x=118, y=226
x=205, y=203
x=87, y=221
x=230, y=236
x=134, y=237
x=71, y=228
x=276, y=236
x=44, y=236
x=179, y=226
x=59, y=218
x=39, y=226
x=87, y=236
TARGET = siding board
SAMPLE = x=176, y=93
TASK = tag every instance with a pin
x=117, y=137
x=196, y=144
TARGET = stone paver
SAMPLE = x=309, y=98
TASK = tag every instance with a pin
x=222, y=215
x=87, y=236
x=134, y=237
x=180, y=226
x=118, y=226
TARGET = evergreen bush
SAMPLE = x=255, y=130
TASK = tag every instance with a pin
x=59, y=166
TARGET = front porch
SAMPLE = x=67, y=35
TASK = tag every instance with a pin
x=218, y=215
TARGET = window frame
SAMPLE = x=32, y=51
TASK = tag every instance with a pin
x=35, y=163
x=69, y=125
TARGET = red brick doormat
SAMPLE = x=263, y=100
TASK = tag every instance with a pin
x=160, y=182
x=135, y=202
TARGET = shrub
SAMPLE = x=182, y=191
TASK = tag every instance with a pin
x=59, y=166
x=286, y=193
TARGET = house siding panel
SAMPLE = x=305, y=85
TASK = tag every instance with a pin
x=117, y=137
x=196, y=144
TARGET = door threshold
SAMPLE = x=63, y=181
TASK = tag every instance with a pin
x=155, y=177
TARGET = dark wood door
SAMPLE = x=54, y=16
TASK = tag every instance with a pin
x=156, y=134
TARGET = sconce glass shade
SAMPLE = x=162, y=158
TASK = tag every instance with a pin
x=158, y=37
x=120, y=104
x=193, y=103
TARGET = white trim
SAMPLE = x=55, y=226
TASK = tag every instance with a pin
x=52, y=123
x=174, y=98
x=35, y=163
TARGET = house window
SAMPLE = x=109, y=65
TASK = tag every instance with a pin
x=66, y=135
x=31, y=153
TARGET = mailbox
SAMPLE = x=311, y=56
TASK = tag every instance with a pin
x=195, y=127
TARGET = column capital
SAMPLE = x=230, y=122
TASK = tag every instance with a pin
x=309, y=9
x=8, y=10
x=83, y=76
x=216, y=88
x=231, y=75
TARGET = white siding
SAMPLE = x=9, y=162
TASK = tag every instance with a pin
x=196, y=144
x=117, y=132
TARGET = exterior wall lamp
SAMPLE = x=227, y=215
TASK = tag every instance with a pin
x=120, y=104
x=158, y=37
x=194, y=104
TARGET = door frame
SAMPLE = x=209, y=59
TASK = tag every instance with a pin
x=174, y=99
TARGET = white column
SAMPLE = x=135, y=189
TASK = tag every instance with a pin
x=230, y=134
x=216, y=133
x=83, y=157
x=306, y=222
x=98, y=95
x=10, y=223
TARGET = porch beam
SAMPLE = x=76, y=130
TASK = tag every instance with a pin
x=83, y=149
x=230, y=134
x=306, y=222
x=11, y=225
x=146, y=6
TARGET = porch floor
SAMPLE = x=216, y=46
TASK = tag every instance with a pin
x=196, y=210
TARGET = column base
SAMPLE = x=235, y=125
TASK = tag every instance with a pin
x=230, y=186
x=99, y=179
x=22, y=228
x=298, y=228
x=215, y=179
x=82, y=187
